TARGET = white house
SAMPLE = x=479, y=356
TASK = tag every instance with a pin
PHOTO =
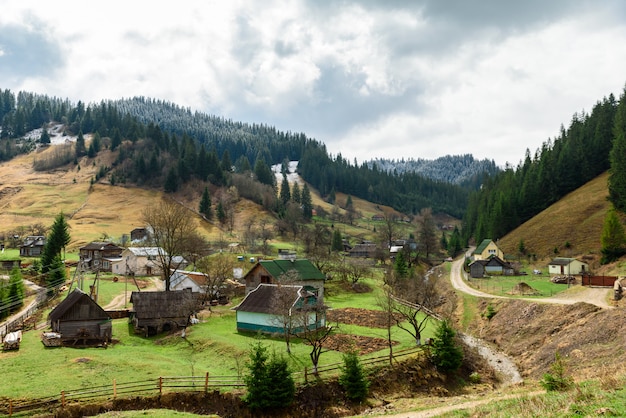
x=140, y=261
x=567, y=266
x=263, y=309
x=193, y=280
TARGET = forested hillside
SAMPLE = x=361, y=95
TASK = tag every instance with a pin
x=578, y=154
x=463, y=170
x=162, y=145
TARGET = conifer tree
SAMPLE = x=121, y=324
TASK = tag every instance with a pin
x=45, y=137
x=307, y=203
x=51, y=260
x=446, y=355
x=205, y=204
x=352, y=378
x=296, y=196
x=613, y=239
x=617, y=176
x=80, y=145
x=15, y=295
x=285, y=193
x=337, y=243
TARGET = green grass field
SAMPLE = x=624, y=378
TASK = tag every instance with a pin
x=504, y=285
x=212, y=346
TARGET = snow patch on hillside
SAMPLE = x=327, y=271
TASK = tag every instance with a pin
x=292, y=175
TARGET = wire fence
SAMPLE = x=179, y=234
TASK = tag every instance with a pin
x=173, y=384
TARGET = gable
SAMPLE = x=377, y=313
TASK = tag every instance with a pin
x=305, y=269
x=76, y=306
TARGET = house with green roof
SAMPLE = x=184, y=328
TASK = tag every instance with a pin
x=486, y=250
x=300, y=272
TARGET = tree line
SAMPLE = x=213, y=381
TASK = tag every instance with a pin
x=578, y=154
x=162, y=145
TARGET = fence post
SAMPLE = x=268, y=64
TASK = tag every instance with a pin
x=114, y=389
x=160, y=385
x=63, y=398
x=206, y=382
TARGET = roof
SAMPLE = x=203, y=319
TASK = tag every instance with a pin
x=261, y=299
x=562, y=261
x=482, y=246
x=70, y=300
x=178, y=276
x=163, y=304
x=146, y=251
x=305, y=269
x=100, y=246
x=32, y=240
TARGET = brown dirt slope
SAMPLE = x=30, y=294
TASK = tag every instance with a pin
x=589, y=338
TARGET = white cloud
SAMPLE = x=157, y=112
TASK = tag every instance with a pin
x=423, y=79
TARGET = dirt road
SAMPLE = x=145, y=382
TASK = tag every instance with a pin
x=594, y=296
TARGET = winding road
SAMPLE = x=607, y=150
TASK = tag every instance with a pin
x=593, y=295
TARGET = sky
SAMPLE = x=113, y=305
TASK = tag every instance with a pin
x=370, y=79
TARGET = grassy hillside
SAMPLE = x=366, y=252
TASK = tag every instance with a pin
x=572, y=226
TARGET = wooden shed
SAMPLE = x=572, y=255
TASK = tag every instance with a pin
x=80, y=320
x=155, y=312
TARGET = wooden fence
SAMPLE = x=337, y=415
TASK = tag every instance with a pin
x=162, y=385
x=600, y=281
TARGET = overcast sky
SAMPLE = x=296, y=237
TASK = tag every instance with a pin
x=392, y=79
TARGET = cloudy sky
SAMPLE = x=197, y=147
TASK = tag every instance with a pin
x=392, y=79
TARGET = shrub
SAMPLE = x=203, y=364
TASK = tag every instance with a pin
x=445, y=354
x=556, y=381
x=269, y=383
x=352, y=378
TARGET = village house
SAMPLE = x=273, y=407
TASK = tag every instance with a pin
x=269, y=307
x=567, y=266
x=487, y=249
x=139, y=234
x=272, y=272
x=155, y=312
x=32, y=246
x=144, y=261
x=363, y=250
x=100, y=256
x=80, y=320
x=492, y=266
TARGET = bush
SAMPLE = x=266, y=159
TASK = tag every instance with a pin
x=269, y=382
x=556, y=381
x=445, y=354
x=352, y=378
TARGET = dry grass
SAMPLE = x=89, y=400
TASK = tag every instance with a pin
x=576, y=219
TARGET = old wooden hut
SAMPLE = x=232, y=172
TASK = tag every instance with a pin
x=155, y=312
x=80, y=320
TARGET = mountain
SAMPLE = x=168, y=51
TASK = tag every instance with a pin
x=463, y=170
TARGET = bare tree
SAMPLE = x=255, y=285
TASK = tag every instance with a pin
x=354, y=270
x=306, y=325
x=413, y=300
x=428, y=232
x=217, y=269
x=171, y=225
x=388, y=231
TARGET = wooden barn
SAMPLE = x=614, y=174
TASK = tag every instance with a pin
x=155, y=312
x=80, y=320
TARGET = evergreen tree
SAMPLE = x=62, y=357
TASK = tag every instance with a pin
x=15, y=295
x=443, y=242
x=45, y=137
x=226, y=164
x=205, y=204
x=337, y=243
x=296, y=196
x=269, y=382
x=221, y=213
x=96, y=142
x=617, y=176
x=613, y=239
x=445, y=354
x=307, y=203
x=80, y=145
x=400, y=265
x=285, y=194
x=56, y=241
x=91, y=151
x=352, y=378
x=263, y=173
x=171, y=181
x=116, y=141
x=454, y=244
